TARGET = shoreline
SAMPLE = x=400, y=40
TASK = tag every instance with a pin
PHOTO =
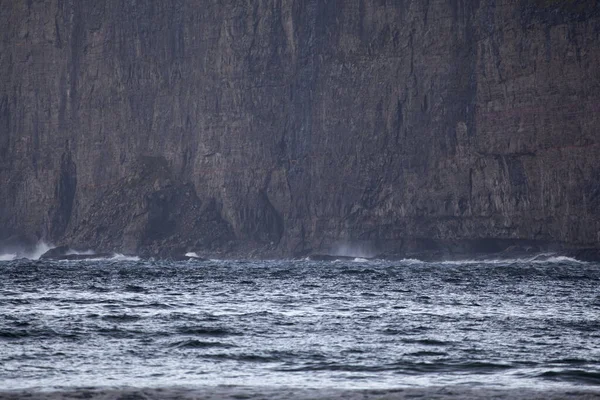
x=479, y=258
x=284, y=393
x=426, y=250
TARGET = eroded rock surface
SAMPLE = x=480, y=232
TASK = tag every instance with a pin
x=286, y=127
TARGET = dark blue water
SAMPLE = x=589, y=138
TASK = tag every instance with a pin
x=366, y=324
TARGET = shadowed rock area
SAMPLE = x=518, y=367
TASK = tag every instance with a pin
x=283, y=128
x=150, y=214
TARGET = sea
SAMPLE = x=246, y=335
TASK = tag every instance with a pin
x=353, y=323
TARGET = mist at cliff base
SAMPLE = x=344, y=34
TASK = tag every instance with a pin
x=357, y=250
x=32, y=253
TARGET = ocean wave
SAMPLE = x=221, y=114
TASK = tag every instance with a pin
x=409, y=368
x=538, y=259
x=199, y=344
x=574, y=375
x=560, y=259
x=411, y=261
x=114, y=257
x=207, y=331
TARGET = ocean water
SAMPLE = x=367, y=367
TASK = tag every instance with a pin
x=340, y=324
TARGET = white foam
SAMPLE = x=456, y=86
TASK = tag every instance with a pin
x=7, y=257
x=411, y=261
x=80, y=253
x=192, y=254
x=538, y=259
x=470, y=262
x=114, y=257
x=561, y=259
x=358, y=259
x=121, y=257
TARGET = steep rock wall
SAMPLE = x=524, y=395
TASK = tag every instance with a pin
x=305, y=124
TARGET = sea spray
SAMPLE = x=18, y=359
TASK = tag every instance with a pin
x=355, y=249
x=23, y=252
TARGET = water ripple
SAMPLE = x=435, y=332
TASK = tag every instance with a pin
x=348, y=323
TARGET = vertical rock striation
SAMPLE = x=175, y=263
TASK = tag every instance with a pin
x=292, y=126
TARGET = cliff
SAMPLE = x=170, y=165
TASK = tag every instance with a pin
x=286, y=127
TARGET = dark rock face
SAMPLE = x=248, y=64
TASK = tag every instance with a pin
x=64, y=253
x=285, y=127
x=150, y=214
x=591, y=255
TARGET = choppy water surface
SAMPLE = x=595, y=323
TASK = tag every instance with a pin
x=299, y=323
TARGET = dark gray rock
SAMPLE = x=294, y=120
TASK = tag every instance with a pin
x=280, y=128
x=55, y=253
x=65, y=253
x=590, y=255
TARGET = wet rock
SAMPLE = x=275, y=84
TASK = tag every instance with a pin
x=590, y=255
x=55, y=253
x=66, y=253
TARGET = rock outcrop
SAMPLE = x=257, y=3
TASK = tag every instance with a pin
x=288, y=127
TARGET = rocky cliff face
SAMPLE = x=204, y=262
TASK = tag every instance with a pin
x=296, y=126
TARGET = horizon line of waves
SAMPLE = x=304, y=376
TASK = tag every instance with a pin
x=199, y=344
x=561, y=259
x=408, y=368
x=207, y=331
x=114, y=257
x=411, y=261
x=572, y=375
x=20, y=333
x=538, y=259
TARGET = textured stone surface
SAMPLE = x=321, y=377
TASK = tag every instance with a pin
x=304, y=124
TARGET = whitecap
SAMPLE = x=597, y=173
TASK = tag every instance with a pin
x=560, y=259
x=121, y=257
x=80, y=253
x=411, y=261
x=114, y=257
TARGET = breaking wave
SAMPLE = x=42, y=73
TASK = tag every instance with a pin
x=192, y=255
x=114, y=257
x=538, y=259
x=80, y=253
